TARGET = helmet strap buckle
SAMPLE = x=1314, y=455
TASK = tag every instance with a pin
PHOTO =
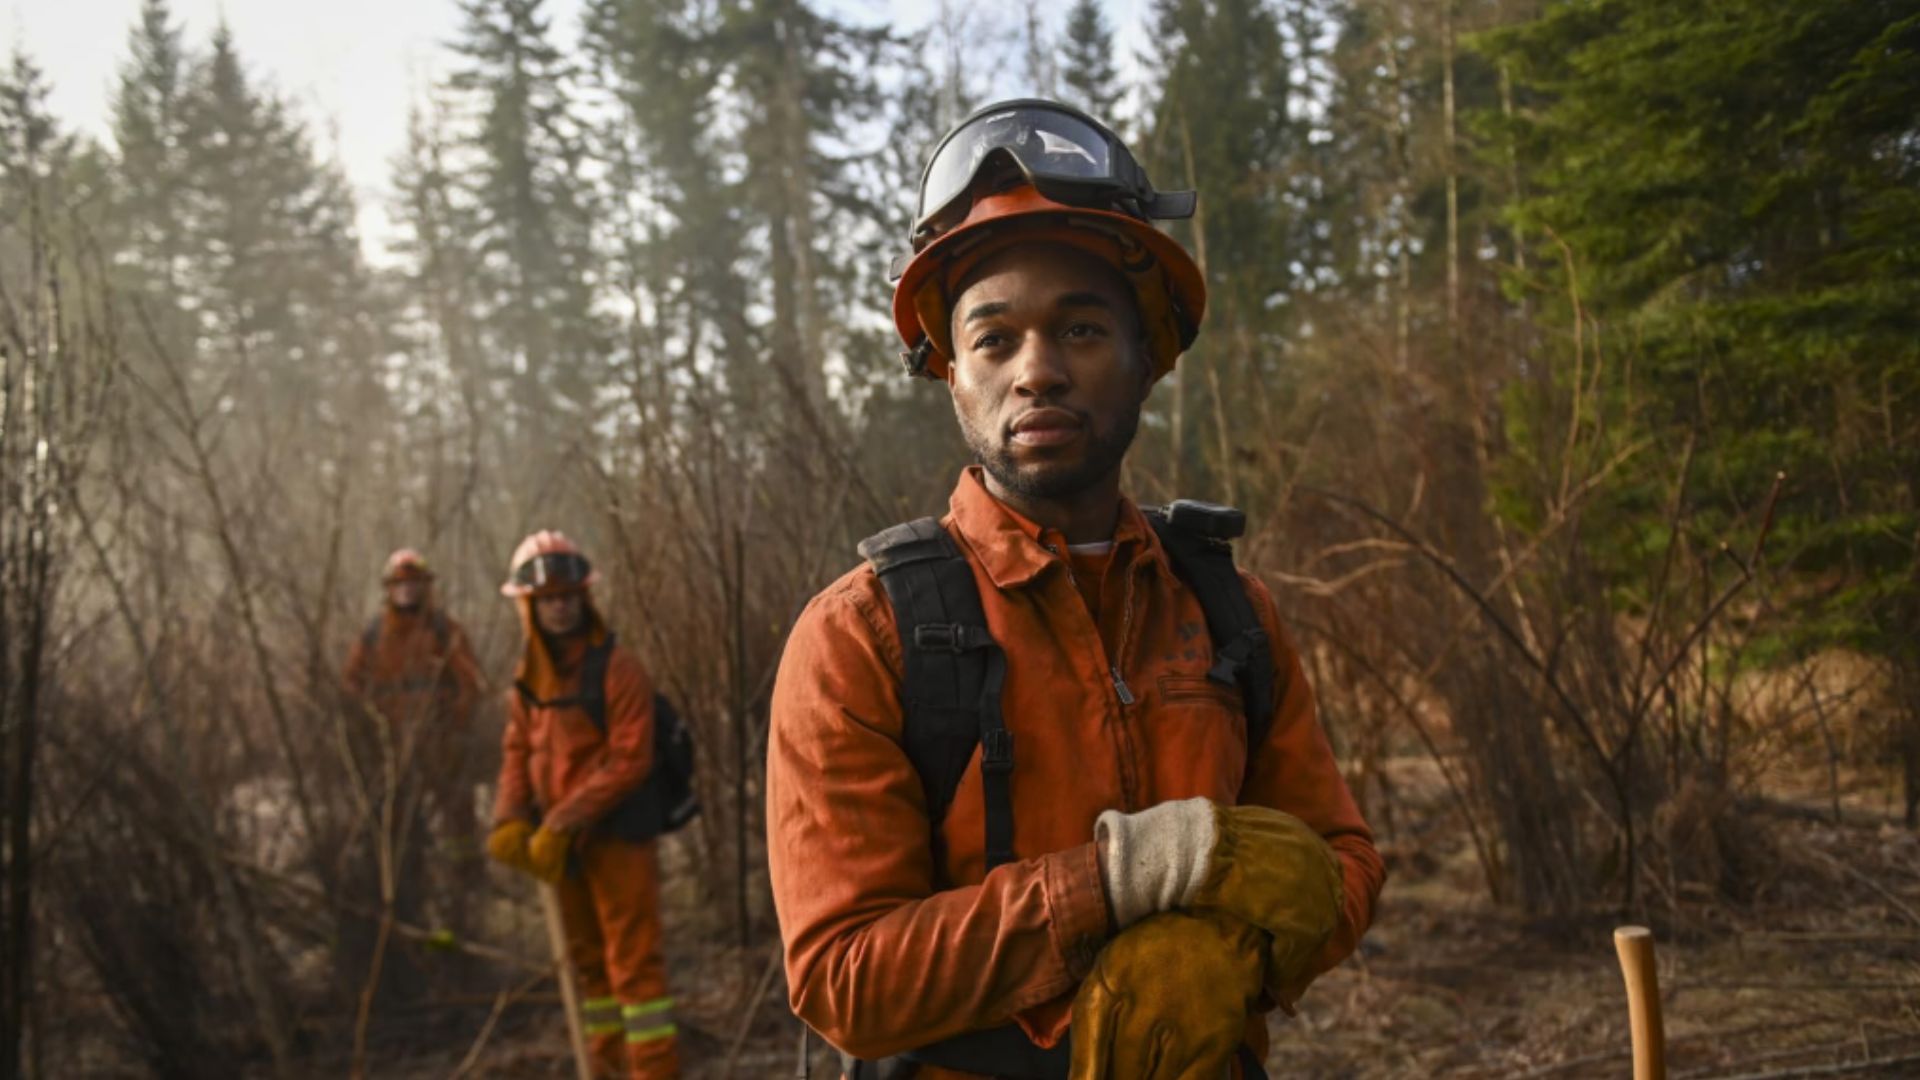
x=915, y=359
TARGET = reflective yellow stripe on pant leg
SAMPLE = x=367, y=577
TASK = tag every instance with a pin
x=649, y=1020
x=601, y=1016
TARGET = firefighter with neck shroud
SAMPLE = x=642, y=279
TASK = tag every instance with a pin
x=577, y=752
x=1046, y=791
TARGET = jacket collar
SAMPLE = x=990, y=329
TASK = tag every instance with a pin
x=1014, y=550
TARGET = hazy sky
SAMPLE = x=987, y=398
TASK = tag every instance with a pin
x=350, y=66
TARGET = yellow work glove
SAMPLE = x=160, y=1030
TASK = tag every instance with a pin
x=1168, y=999
x=1260, y=865
x=507, y=843
x=547, y=855
x=1269, y=869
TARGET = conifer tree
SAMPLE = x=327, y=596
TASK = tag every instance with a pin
x=1749, y=227
x=531, y=243
x=29, y=136
x=676, y=233
x=148, y=124
x=1087, y=68
x=1220, y=124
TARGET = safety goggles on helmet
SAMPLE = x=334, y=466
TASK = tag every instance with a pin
x=555, y=570
x=1066, y=154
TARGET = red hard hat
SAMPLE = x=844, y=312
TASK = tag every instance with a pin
x=547, y=562
x=406, y=563
x=1037, y=171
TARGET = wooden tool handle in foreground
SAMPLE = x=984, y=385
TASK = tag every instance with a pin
x=569, y=989
x=1635, y=946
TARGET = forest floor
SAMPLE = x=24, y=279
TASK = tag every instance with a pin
x=1815, y=971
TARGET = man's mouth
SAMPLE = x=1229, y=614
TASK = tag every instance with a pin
x=1045, y=427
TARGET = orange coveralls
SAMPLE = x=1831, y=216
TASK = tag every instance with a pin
x=415, y=671
x=421, y=676
x=556, y=766
x=886, y=951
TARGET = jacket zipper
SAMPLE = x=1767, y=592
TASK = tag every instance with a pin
x=1120, y=646
x=1120, y=688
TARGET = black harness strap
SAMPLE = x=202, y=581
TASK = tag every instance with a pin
x=953, y=678
x=1242, y=655
x=591, y=695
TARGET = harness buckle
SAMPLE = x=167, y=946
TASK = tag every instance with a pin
x=996, y=751
x=950, y=637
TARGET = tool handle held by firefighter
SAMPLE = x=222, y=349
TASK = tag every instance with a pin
x=569, y=987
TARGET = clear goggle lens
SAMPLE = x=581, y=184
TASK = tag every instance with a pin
x=1069, y=158
x=558, y=569
x=1048, y=145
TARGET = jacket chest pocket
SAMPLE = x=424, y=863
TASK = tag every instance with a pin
x=1192, y=689
x=1198, y=732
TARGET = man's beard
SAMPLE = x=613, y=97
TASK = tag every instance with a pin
x=1104, y=451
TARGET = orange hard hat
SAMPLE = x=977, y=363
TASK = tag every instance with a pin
x=1034, y=171
x=406, y=563
x=547, y=562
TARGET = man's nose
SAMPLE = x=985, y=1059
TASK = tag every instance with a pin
x=1040, y=367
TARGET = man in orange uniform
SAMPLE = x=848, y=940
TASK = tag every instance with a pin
x=413, y=668
x=1136, y=839
x=571, y=754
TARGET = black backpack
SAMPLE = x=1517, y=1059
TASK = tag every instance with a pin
x=665, y=801
x=951, y=686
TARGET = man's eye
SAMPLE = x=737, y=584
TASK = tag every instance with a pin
x=992, y=339
x=1086, y=330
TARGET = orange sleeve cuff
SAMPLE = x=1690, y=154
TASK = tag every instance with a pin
x=1076, y=908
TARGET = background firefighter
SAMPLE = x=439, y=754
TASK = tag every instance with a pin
x=561, y=774
x=414, y=684
x=1124, y=850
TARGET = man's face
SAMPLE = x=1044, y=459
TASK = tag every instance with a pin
x=1049, y=371
x=559, y=613
x=405, y=594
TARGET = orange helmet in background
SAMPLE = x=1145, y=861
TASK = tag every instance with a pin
x=1031, y=171
x=547, y=562
x=405, y=563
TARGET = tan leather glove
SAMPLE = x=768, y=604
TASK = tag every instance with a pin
x=547, y=855
x=507, y=843
x=1260, y=865
x=1269, y=869
x=1168, y=999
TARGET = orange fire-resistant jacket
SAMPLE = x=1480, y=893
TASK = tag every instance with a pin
x=886, y=951
x=553, y=758
x=416, y=673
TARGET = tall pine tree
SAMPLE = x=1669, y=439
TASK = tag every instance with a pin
x=529, y=208
x=1087, y=65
